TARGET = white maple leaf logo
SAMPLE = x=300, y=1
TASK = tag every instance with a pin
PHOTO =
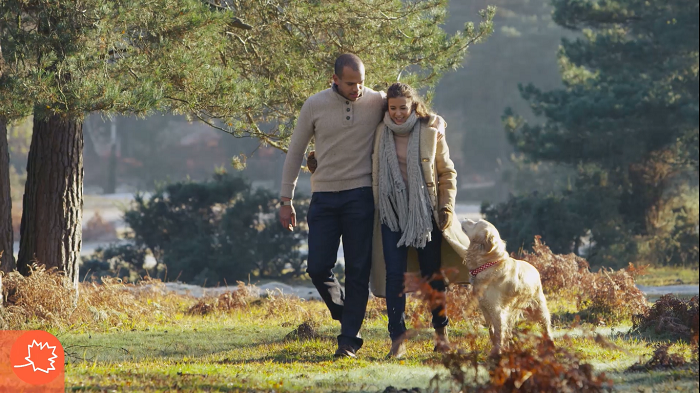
x=44, y=356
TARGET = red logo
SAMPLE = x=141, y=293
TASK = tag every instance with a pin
x=35, y=360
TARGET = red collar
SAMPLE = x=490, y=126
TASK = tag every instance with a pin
x=482, y=268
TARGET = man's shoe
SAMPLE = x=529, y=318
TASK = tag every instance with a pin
x=398, y=348
x=345, y=351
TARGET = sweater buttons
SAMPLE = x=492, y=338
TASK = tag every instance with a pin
x=347, y=110
x=347, y=102
x=347, y=117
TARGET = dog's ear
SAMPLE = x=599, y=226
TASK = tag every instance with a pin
x=475, y=246
x=490, y=240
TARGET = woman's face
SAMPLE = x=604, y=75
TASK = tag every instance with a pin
x=399, y=109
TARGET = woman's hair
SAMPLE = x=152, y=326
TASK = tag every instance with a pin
x=399, y=89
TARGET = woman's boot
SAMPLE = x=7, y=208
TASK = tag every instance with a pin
x=398, y=348
x=442, y=344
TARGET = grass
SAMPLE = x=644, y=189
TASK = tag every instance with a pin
x=658, y=276
x=138, y=338
x=247, y=350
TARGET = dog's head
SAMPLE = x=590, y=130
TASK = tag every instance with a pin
x=484, y=239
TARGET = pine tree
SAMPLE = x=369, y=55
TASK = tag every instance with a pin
x=627, y=119
x=244, y=67
x=13, y=105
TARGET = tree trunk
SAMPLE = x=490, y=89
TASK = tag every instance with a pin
x=7, y=258
x=51, y=229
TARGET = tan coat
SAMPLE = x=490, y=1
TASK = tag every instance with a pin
x=438, y=169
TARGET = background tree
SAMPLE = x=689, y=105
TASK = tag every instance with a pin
x=522, y=49
x=627, y=121
x=284, y=51
x=243, y=67
x=13, y=106
x=7, y=259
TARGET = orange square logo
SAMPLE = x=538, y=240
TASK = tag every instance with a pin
x=31, y=361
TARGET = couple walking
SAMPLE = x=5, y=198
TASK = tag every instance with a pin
x=384, y=182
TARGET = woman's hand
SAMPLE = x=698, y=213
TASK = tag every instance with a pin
x=311, y=161
x=445, y=218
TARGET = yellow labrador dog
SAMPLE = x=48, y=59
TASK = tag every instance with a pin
x=504, y=286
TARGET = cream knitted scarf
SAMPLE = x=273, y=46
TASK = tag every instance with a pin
x=408, y=211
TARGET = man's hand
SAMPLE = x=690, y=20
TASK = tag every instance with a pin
x=288, y=217
x=311, y=161
x=445, y=217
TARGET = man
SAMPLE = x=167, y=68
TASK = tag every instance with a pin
x=342, y=121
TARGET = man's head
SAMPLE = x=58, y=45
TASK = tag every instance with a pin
x=349, y=76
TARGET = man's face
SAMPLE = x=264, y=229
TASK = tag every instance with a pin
x=350, y=82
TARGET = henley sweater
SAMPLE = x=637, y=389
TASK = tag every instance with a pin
x=343, y=131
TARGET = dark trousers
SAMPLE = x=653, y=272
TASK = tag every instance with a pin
x=348, y=214
x=395, y=259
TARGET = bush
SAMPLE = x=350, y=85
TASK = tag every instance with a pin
x=666, y=236
x=226, y=302
x=522, y=218
x=99, y=229
x=660, y=360
x=605, y=294
x=529, y=364
x=47, y=300
x=210, y=232
x=670, y=316
x=124, y=261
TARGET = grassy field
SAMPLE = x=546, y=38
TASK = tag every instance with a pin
x=140, y=338
x=247, y=350
x=658, y=276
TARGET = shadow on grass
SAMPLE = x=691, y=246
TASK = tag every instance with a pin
x=183, y=386
x=284, y=356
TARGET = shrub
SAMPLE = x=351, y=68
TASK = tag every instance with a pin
x=46, y=300
x=529, y=364
x=607, y=293
x=226, y=302
x=99, y=229
x=660, y=360
x=670, y=316
x=125, y=261
x=307, y=330
x=661, y=234
x=210, y=232
x=522, y=218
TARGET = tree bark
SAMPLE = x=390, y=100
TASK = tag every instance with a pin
x=7, y=258
x=51, y=228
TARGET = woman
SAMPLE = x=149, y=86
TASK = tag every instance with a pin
x=414, y=183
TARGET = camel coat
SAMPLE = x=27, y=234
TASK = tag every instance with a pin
x=441, y=178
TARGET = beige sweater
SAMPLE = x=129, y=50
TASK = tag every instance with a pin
x=344, y=133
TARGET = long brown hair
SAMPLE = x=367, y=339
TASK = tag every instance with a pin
x=399, y=89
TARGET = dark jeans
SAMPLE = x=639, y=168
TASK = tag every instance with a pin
x=348, y=214
x=395, y=259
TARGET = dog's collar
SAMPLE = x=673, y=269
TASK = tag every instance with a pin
x=482, y=268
